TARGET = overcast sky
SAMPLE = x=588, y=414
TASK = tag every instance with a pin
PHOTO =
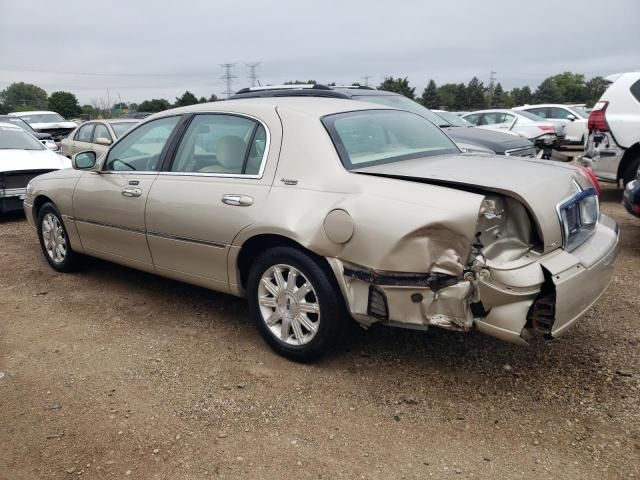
x=152, y=49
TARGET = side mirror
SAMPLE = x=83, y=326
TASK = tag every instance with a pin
x=84, y=160
x=571, y=117
x=103, y=141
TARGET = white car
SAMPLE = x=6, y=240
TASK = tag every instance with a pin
x=47, y=122
x=612, y=149
x=573, y=117
x=22, y=157
x=545, y=134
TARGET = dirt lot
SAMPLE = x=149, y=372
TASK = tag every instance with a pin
x=112, y=373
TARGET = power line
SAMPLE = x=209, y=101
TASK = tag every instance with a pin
x=253, y=77
x=228, y=77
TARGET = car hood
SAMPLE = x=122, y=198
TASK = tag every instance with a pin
x=499, y=142
x=53, y=125
x=540, y=185
x=23, y=160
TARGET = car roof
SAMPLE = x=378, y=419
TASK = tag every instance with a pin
x=309, y=90
x=31, y=112
x=311, y=106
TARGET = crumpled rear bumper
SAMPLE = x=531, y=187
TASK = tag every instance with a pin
x=578, y=279
x=502, y=304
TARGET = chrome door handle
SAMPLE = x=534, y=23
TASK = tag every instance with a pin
x=237, y=200
x=131, y=192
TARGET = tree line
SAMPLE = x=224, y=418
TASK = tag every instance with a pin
x=566, y=87
x=21, y=96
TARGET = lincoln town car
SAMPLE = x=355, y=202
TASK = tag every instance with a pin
x=322, y=211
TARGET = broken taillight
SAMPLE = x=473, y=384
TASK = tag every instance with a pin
x=547, y=128
x=597, y=119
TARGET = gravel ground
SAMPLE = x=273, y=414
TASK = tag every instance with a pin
x=113, y=373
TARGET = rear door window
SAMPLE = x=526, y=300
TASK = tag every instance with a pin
x=221, y=144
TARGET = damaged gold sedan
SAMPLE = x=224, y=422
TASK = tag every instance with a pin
x=317, y=210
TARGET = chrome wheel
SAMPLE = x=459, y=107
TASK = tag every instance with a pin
x=55, y=242
x=289, y=305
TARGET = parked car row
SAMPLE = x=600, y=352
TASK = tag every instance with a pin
x=321, y=210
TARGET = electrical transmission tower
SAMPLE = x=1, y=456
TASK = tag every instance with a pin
x=253, y=76
x=228, y=77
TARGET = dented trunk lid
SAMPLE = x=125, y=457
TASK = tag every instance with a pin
x=540, y=185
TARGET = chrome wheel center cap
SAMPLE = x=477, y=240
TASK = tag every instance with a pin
x=287, y=305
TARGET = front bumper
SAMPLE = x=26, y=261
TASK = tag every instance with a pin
x=500, y=305
x=11, y=199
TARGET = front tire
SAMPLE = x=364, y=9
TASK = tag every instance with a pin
x=54, y=240
x=296, y=304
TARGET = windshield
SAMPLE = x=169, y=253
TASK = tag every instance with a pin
x=120, y=128
x=42, y=118
x=18, y=122
x=453, y=119
x=530, y=116
x=17, y=139
x=374, y=137
x=581, y=112
x=404, y=103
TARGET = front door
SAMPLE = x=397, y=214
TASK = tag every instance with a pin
x=109, y=205
x=215, y=186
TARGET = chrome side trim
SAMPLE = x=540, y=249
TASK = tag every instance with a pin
x=155, y=234
x=110, y=225
x=187, y=239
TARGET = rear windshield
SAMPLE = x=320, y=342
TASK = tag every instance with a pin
x=374, y=137
x=13, y=138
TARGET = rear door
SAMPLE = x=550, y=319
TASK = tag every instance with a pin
x=109, y=205
x=215, y=186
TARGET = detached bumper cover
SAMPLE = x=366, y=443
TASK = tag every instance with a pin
x=603, y=155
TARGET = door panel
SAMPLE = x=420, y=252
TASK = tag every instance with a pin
x=110, y=220
x=109, y=205
x=189, y=226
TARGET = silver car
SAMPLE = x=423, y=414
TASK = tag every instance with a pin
x=95, y=135
x=545, y=134
x=319, y=211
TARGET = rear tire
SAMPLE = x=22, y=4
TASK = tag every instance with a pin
x=54, y=240
x=296, y=304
